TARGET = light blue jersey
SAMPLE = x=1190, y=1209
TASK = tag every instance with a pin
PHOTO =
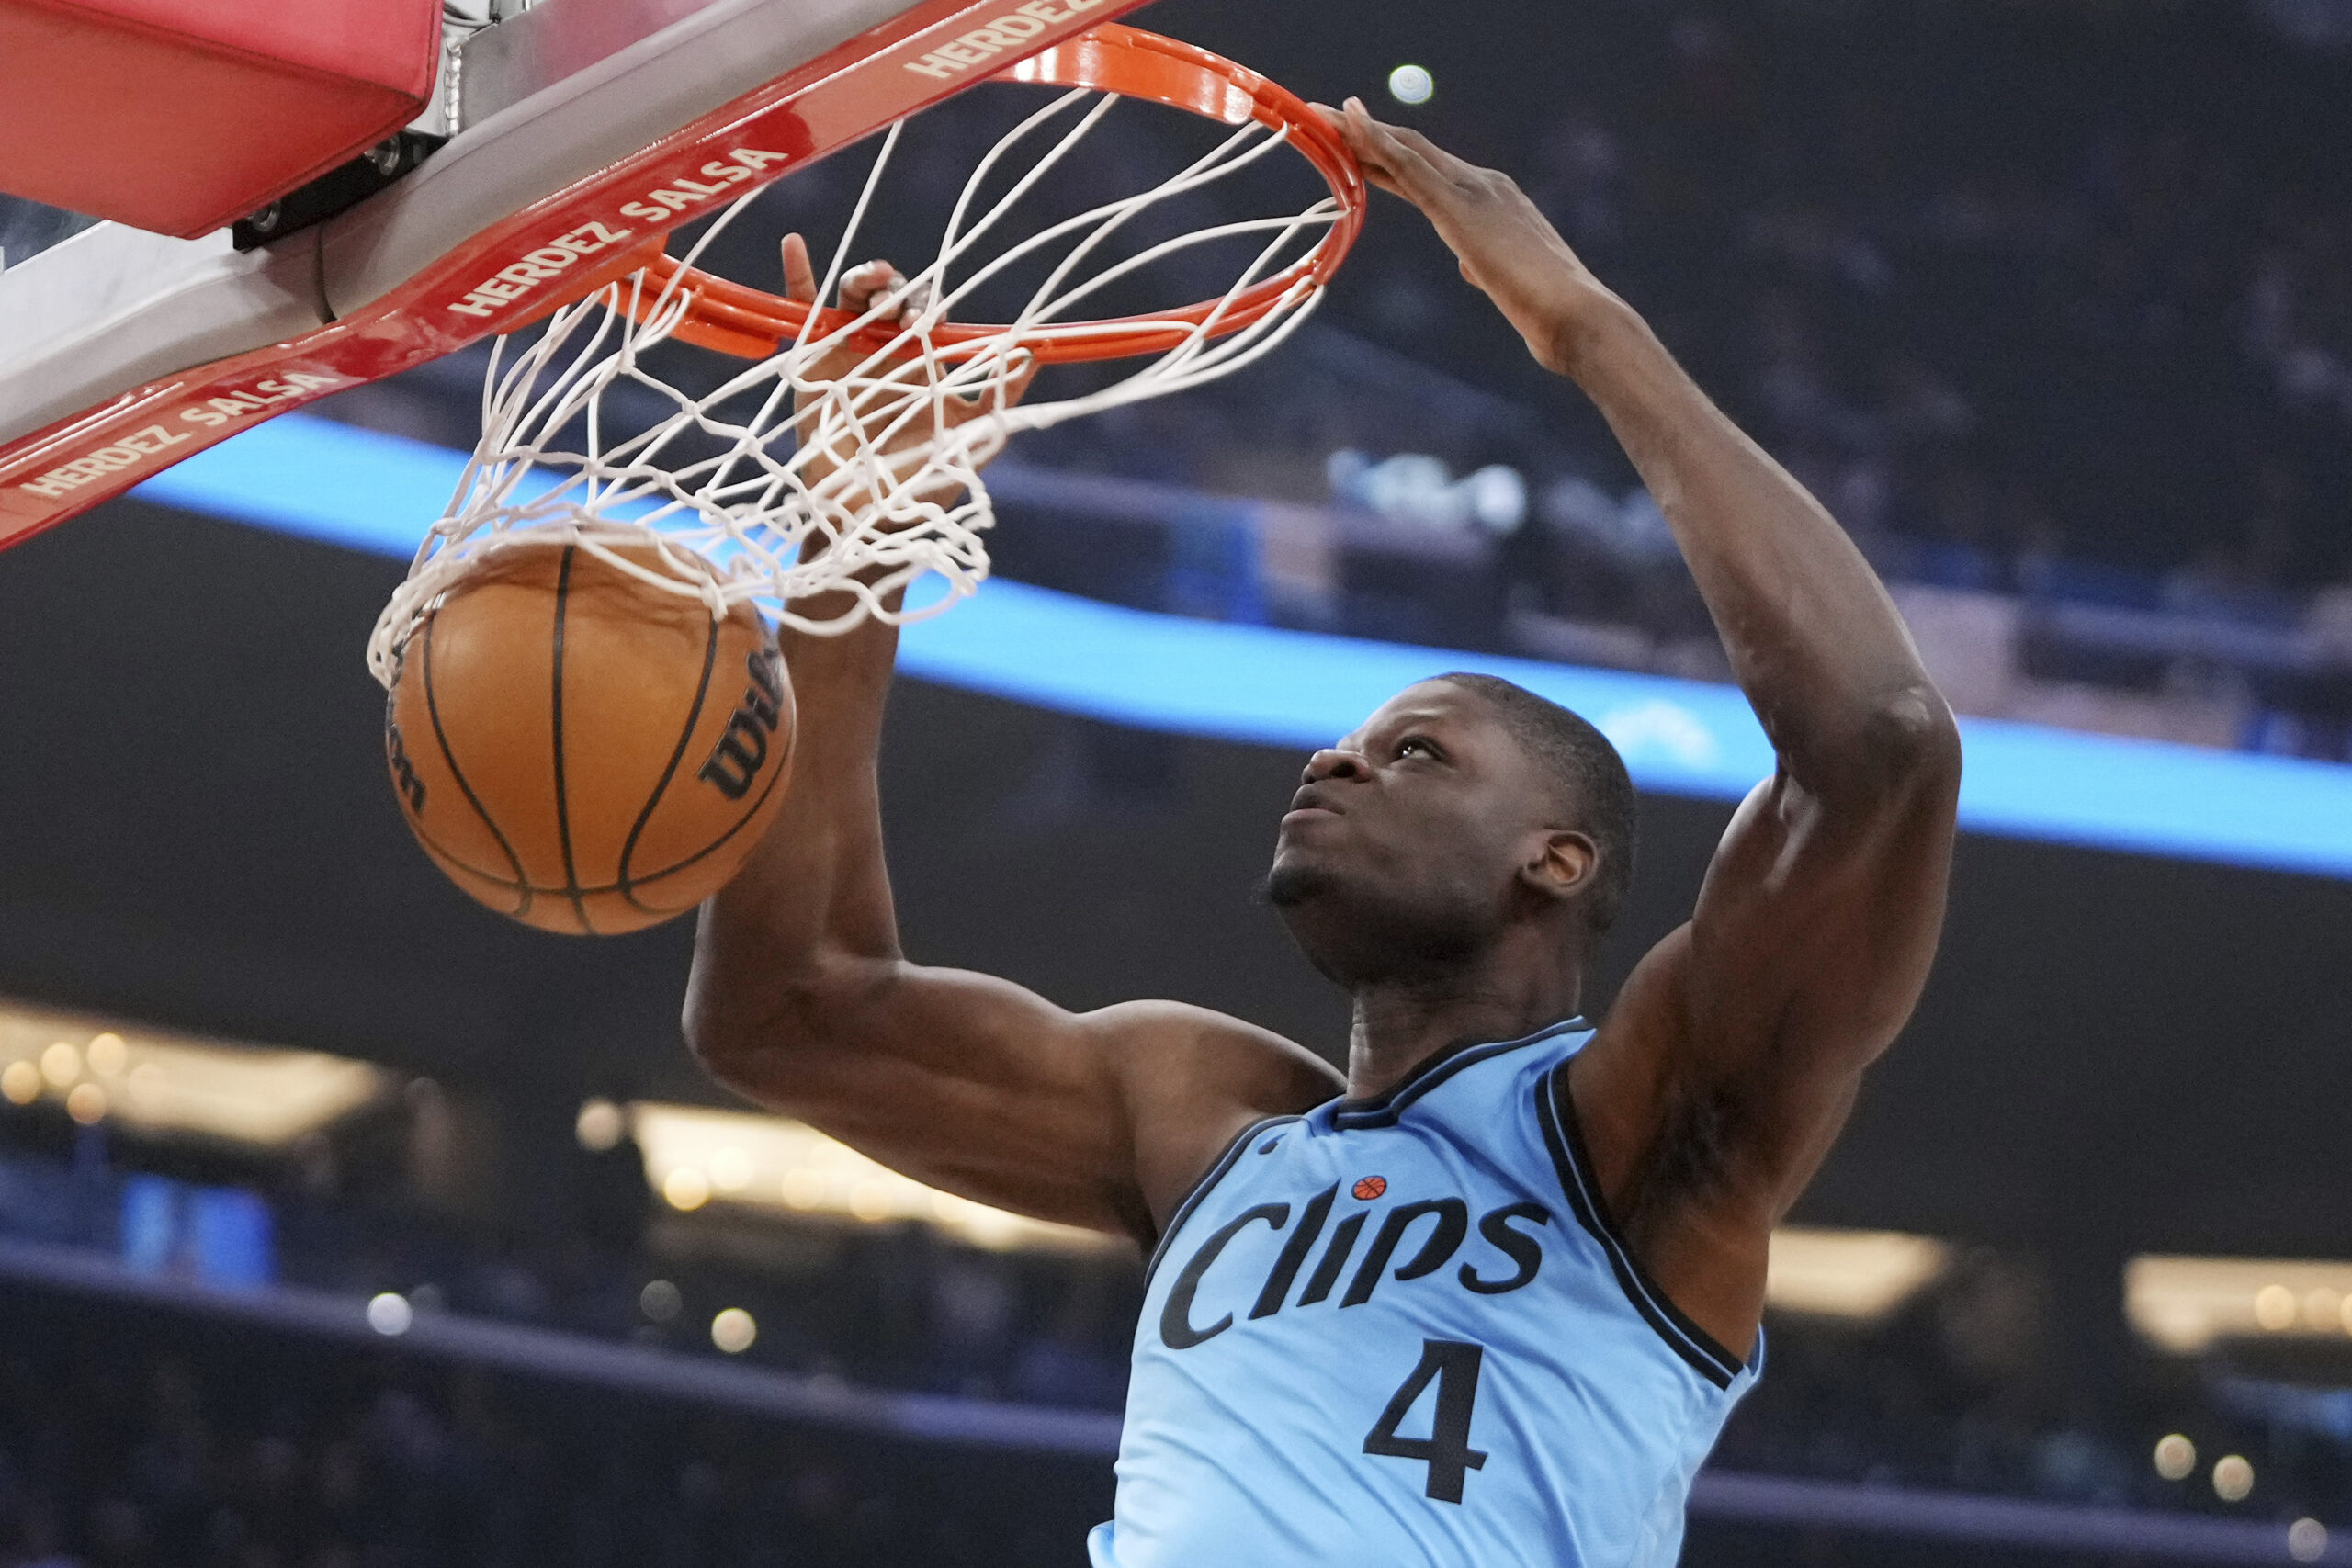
x=1401, y=1331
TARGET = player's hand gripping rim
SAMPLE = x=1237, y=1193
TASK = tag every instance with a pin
x=1504, y=243
x=862, y=289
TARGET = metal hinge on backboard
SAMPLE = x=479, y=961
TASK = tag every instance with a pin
x=347, y=185
x=338, y=190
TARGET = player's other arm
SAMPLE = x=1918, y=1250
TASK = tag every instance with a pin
x=801, y=1000
x=1731, y=1058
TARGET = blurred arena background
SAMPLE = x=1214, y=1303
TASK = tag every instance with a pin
x=343, y=1224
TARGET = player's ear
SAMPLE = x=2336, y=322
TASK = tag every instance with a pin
x=1564, y=864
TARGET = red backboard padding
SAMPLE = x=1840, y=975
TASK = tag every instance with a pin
x=182, y=115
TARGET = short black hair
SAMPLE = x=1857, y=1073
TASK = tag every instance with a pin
x=1588, y=771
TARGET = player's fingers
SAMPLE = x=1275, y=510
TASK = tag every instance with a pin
x=858, y=287
x=1368, y=157
x=1357, y=129
x=861, y=283
x=1005, y=389
x=917, y=298
x=1407, y=169
x=799, y=276
x=1016, y=381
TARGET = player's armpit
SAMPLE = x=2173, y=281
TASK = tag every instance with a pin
x=981, y=1088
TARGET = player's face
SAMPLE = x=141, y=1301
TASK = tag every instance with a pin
x=1402, y=844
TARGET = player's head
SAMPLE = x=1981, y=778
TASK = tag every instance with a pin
x=1464, y=807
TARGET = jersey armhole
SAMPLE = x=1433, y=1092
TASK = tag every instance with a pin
x=1555, y=1112
x=1201, y=1189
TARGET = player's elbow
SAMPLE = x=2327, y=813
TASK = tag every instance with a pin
x=749, y=1037
x=719, y=1033
x=1902, y=752
x=1922, y=739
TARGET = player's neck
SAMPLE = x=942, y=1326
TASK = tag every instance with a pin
x=1399, y=1025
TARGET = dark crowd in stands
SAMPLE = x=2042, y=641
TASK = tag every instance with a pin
x=130, y=1439
x=135, y=1436
x=2050, y=302
x=2007, y=285
x=2053, y=303
x=899, y=1307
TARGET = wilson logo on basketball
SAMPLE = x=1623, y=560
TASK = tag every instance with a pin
x=404, y=777
x=742, y=750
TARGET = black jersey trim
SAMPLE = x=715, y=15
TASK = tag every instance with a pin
x=1383, y=1110
x=1557, y=1114
x=1201, y=1189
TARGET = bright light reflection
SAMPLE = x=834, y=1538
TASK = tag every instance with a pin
x=599, y=1125
x=687, y=1187
x=733, y=1331
x=20, y=1081
x=2275, y=1307
x=389, y=1313
x=696, y=1156
x=730, y=1169
x=1411, y=85
x=107, y=1054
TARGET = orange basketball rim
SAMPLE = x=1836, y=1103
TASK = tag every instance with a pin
x=734, y=317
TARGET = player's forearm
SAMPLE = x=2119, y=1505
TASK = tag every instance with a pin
x=1814, y=639
x=815, y=896
x=825, y=861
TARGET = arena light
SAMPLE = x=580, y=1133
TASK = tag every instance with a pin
x=733, y=1330
x=694, y=1158
x=1864, y=1276
x=389, y=1313
x=106, y=1070
x=2185, y=1304
x=1411, y=85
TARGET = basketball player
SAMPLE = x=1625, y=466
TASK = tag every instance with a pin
x=1488, y=1299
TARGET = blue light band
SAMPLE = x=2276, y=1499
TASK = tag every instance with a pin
x=371, y=491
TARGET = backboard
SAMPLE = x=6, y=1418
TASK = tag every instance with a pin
x=582, y=131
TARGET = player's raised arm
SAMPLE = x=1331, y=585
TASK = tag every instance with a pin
x=1729, y=1062
x=801, y=1000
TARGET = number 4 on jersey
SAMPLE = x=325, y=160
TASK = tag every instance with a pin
x=1446, y=1449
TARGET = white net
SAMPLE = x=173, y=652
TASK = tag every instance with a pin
x=848, y=460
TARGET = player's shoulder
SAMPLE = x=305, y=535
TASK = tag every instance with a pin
x=1178, y=1048
x=1193, y=1080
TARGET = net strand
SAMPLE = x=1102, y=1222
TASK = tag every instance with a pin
x=838, y=466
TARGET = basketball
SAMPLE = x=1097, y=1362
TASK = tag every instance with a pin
x=582, y=751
